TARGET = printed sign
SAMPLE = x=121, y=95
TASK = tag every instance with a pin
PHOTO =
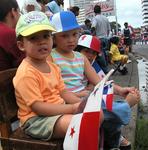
x=107, y=8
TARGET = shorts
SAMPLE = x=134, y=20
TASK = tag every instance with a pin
x=127, y=41
x=40, y=127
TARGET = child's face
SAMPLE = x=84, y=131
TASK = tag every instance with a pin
x=90, y=54
x=67, y=41
x=37, y=46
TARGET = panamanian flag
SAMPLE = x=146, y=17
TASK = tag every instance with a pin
x=83, y=131
x=98, y=69
x=107, y=101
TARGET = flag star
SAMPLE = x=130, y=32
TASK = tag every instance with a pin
x=72, y=132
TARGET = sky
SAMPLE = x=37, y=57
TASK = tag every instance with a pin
x=129, y=11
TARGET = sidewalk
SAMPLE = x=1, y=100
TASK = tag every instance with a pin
x=131, y=79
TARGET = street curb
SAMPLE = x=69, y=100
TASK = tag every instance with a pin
x=131, y=79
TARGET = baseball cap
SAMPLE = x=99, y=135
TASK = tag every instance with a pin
x=32, y=22
x=91, y=42
x=64, y=21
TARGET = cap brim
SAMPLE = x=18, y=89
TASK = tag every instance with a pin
x=36, y=28
x=67, y=29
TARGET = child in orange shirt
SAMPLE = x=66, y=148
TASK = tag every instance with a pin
x=45, y=106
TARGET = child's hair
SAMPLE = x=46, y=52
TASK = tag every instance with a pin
x=115, y=40
x=87, y=21
x=90, y=42
x=79, y=48
x=6, y=6
x=19, y=38
x=64, y=21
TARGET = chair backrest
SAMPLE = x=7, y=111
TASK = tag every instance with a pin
x=17, y=139
x=8, y=106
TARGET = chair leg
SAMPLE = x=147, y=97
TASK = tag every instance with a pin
x=5, y=134
x=5, y=145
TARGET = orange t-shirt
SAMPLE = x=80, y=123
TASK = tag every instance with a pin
x=31, y=85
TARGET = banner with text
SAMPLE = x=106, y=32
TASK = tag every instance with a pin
x=107, y=8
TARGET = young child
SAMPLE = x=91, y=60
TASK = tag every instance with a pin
x=75, y=67
x=73, y=64
x=90, y=47
x=116, y=56
x=45, y=106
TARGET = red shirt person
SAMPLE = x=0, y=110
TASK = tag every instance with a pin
x=10, y=55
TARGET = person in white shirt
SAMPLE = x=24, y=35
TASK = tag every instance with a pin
x=55, y=6
x=30, y=5
x=101, y=28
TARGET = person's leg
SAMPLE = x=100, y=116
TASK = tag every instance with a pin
x=112, y=133
x=63, y=122
x=123, y=60
x=126, y=50
x=129, y=43
x=105, y=48
x=113, y=122
x=61, y=126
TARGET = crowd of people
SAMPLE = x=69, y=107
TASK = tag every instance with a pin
x=58, y=64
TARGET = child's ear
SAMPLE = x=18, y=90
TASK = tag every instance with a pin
x=20, y=45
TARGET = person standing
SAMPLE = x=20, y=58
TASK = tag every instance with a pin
x=127, y=34
x=10, y=55
x=75, y=10
x=101, y=28
x=100, y=24
x=55, y=6
x=86, y=27
x=30, y=5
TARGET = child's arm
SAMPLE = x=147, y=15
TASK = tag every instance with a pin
x=47, y=109
x=69, y=97
x=123, y=91
x=90, y=73
x=73, y=105
x=82, y=93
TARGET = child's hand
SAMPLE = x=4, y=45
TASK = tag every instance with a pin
x=126, y=90
x=79, y=107
x=84, y=93
x=133, y=97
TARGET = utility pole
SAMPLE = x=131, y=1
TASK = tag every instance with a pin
x=67, y=4
x=116, y=17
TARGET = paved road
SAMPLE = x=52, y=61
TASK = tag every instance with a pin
x=141, y=49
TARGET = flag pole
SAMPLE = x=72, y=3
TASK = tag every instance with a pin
x=116, y=17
